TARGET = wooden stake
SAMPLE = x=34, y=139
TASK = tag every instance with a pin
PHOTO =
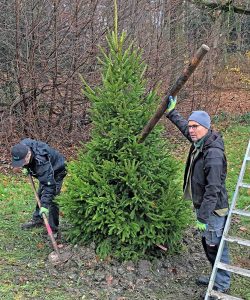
x=194, y=62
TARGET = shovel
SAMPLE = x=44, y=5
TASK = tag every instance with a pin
x=55, y=257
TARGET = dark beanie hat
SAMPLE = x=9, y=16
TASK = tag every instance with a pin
x=19, y=152
x=200, y=117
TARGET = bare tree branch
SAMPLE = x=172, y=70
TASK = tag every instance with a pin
x=222, y=5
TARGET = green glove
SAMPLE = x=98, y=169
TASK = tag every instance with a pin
x=201, y=226
x=25, y=171
x=44, y=210
x=171, y=103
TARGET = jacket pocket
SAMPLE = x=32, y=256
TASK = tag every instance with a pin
x=216, y=223
x=198, y=190
x=213, y=237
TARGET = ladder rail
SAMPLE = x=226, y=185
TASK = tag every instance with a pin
x=240, y=180
x=228, y=222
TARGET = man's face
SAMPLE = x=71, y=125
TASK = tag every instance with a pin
x=196, y=131
x=27, y=158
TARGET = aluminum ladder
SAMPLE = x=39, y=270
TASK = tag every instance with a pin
x=227, y=238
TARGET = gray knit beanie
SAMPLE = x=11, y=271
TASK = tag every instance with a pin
x=200, y=117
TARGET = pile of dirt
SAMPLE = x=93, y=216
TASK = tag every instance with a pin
x=165, y=277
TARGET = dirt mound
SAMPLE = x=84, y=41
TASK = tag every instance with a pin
x=171, y=277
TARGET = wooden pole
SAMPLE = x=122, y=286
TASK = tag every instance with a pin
x=173, y=91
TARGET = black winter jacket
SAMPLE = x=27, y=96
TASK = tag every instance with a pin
x=209, y=171
x=46, y=165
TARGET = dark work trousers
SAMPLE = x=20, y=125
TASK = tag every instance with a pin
x=211, y=240
x=53, y=207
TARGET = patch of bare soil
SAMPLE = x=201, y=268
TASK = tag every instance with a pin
x=168, y=277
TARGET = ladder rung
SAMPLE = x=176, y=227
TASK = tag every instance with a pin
x=234, y=269
x=223, y=296
x=245, y=185
x=241, y=212
x=237, y=240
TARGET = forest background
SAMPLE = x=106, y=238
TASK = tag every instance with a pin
x=45, y=45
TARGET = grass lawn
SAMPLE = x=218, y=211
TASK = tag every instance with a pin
x=23, y=254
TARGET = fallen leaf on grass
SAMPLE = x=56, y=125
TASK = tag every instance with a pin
x=236, y=220
x=22, y=279
x=109, y=279
x=174, y=271
x=40, y=245
x=243, y=263
x=108, y=259
x=244, y=229
x=19, y=296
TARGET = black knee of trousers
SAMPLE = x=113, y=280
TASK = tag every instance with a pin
x=210, y=251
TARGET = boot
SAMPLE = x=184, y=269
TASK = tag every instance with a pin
x=203, y=280
x=38, y=222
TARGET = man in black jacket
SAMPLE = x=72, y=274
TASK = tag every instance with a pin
x=48, y=166
x=204, y=184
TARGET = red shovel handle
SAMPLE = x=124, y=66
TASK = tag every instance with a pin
x=49, y=230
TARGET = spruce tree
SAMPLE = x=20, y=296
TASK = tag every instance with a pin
x=122, y=195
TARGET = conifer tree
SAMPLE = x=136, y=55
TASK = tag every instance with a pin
x=122, y=195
